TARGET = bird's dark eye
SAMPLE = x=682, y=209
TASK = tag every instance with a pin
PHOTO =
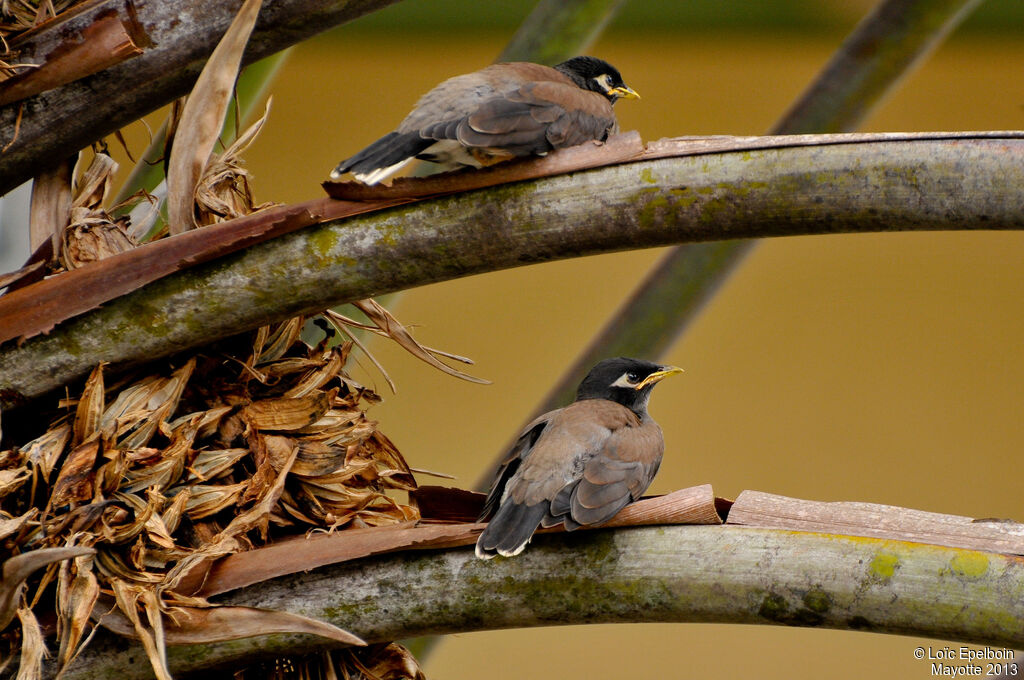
x=632, y=377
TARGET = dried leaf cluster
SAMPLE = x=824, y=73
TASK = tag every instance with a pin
x=162, y=474
x=115, y=514
x=92, y=233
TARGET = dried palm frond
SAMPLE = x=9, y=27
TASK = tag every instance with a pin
x=206, y=456
x=224, y=191
x=141, y=481
x=92, y=234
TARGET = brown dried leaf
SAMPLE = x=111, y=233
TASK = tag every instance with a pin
x=115, y=530
x=16, y=569
x=109, y=475
x=33, y=648
x=224, y=192
x=258, y=516
x=110, y=565
x=284, y=413
x=93, y=187
x=259, y=483
x=92, y=238
x=165, y=473
x=288, y=365
x=208, y=421
x=80, y=520
x=346, y=435
x=390, y=661
x=173, y=514
x=11, y=525
x=194, y=625
x=209, y=464
x=158, y=533
x=130, y=406
x=74, y=481
x=45, y=451
x=51, y=205
x=92, y=234
x=272, y=342
x=203, y=118
x=317, y=458
x=316, y=379
x=12, y=480
x=90, y=407
x=337, y=423
x=127, y=596
x=77, y=595
x=161, y=400
x=400, y=334
x=386, y=454
x=208, y=499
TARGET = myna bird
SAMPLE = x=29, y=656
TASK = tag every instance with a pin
x=578, y=465
x=498, y=113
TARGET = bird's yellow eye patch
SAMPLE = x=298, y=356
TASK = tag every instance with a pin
x=605, y=81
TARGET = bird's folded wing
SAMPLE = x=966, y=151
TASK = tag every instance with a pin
x=538, y=117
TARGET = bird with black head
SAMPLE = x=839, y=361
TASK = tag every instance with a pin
x=579, y=465
x=499, y=113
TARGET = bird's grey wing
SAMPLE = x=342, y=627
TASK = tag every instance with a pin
x=618, y=475
x=557, y=459
x=510, y=463
x=536, y=118
x=460, y=96
x=535, y=475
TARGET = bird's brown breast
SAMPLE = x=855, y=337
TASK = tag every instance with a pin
x=573, y=437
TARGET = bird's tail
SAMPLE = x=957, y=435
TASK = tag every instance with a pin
x=510, y=530
x=382, y=158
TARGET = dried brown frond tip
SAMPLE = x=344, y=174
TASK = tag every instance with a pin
x=92, y=233
x=164, y=473
x=224, y=191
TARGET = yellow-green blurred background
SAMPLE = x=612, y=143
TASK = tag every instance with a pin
x=885, y=368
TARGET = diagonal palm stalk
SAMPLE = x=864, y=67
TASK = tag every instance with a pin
x=887, y=44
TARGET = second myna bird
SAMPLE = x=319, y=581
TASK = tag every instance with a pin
x=499, y=113
x=578, y=465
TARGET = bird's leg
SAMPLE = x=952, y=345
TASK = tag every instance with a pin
x=489, y=157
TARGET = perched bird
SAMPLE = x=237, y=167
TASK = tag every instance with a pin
x=498, y=113
x=578, y=465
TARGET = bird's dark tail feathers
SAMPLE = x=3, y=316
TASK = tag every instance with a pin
x=383, y=157
x=510, y=529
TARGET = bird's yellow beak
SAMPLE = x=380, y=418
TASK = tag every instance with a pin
x=624, y=92
x=658, y=375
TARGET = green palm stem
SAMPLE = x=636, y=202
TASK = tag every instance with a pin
x=883, y=48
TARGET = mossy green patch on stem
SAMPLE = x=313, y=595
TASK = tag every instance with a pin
x=883, y=567
x=817, y=601
x=969, y=565
x=323, y=242
x=774, y=608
